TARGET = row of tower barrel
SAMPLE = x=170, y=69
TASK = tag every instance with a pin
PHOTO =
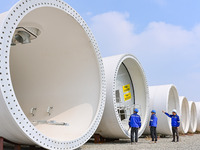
x=165, y=97
x=56, y=91
x=145, y=98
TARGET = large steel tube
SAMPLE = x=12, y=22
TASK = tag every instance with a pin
x=184, y=115
x=193, y=117
x=126, y=89
x=51, y=76
x=198, y=115
x=163, y=97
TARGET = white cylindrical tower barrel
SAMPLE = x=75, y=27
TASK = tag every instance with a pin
x=163, y=97
x=51, y=76
x=193, y=117
x=184, y=115
x=198, y=115
x=126, y=89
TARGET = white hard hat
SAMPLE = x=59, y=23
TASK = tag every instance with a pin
x=174, y=110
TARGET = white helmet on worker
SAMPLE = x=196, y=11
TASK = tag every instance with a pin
x=174, y=110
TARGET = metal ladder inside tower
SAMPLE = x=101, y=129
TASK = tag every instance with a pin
x=125, y=111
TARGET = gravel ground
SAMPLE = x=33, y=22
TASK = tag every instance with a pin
x=187, y=142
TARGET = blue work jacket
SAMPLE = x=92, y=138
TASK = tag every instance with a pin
x=153, y=121
x=175, y=121
x=135, y=121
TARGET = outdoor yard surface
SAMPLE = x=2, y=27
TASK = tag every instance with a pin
x=187, y=142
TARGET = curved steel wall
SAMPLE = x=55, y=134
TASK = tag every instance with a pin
x=198, y=115
x=112, y=125
x=163, y=97
x=52, y=89
x=193, y=117
x=184, y=115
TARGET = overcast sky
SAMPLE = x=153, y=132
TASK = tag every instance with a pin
x=163, y=34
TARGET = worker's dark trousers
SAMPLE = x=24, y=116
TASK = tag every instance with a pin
x=153, y=133
x=175, y=131
x=134, y=133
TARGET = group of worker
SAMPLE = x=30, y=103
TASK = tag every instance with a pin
x=135, y=124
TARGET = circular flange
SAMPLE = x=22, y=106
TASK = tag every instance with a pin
x=141, y=95
x=7, y=29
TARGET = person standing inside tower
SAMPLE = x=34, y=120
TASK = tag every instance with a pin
x=153, y=125
x=134, y=124
x=175, y=122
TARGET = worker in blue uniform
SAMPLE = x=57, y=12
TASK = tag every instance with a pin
x=134, y=124
x=175, y=122
x=153, y=125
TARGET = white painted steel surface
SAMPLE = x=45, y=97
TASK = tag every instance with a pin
x=120, y=71
x=193, y=117
x=198, y=115
x=52, y=89
x=163, y=97
x=184, y=115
